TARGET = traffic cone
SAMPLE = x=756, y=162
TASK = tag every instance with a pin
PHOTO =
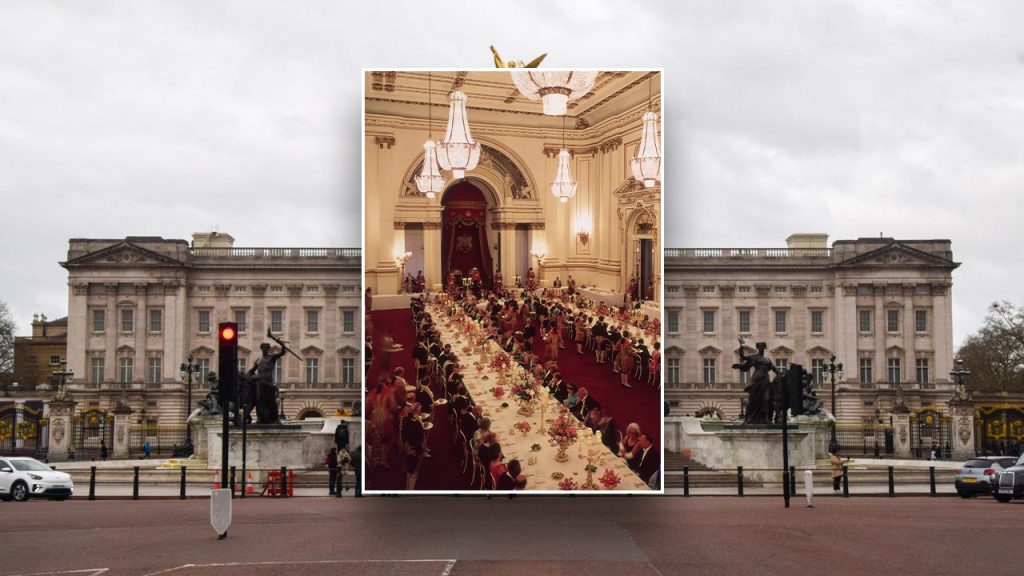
x=248, y=484
x=216, y=481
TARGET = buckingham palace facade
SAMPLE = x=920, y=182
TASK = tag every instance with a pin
x=139, y=307
x=882, y=306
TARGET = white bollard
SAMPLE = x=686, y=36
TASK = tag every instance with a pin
x=809, y=487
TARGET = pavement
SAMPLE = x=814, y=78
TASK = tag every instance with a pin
x=549, y=535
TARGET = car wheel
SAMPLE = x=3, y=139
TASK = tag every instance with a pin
x=1004, y=498
x=19, y=491
x=963, y=494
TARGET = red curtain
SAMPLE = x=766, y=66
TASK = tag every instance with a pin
x=464, y=232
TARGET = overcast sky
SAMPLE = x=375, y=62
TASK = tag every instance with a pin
x=851, y=118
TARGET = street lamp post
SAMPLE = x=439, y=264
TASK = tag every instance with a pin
x=62, y=376
x=186, y=370
x=831, y=368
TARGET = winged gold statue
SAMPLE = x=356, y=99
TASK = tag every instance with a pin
x=499, y=63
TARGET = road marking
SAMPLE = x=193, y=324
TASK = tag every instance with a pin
x=88, y=571
x=449, y=565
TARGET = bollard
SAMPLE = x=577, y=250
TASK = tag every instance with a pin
x=92, y=483
x=739, y=480
x=284, y=481
x=181, y=485
x=792, y=480
x=809, y=487
x=931, y=480
x=135, y=483
x=846, y=481
x=892, y=482
x=686, y=480
x=231, y=478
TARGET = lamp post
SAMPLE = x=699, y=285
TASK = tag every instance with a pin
x=831, y=368
x=186, y=370
x=281, y=394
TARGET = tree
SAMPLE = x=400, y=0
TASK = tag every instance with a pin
x=995, y=354
x=7, y=327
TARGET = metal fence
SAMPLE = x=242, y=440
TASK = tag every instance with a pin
x=23, y=430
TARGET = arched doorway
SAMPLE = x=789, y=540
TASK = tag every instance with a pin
x=464, y=244
x=642, y=257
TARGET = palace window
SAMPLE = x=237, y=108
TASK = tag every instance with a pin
x=894, y=368
x=672, y=367
x=816, y=289
x=204, y=369
x=348, y=321
x=780, y=290
x=892, y=320
x=312, y=321
x=279, y=371
x=865, y=370
x=709, y=321
x=277, y=321
x=709, y=371
x=743, y=289
x=817, y=321
x=744, y=321
x=203, y=321
x=922, y=370
x=156, y=320
x=99, y=320
x=781, y=363
x=864, y=320
x=348, y=370
x=672, y=326
x=126, y=370
x=127, y=320
x=240, y=319
x=780, y=321
x=96, y=369
x=312, y=370
x=818, y=369
x=54, y=360
x=153, y=366
x=920, y=320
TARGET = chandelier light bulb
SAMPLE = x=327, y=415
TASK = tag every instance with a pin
x=646, y=164
x=458, y=152
x=430, y=181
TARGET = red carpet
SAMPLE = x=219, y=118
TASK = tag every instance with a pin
x=640, y=404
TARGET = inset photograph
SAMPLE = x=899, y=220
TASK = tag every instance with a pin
x=513, y=268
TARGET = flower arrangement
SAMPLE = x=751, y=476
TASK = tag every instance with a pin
x=610, y=479
x=523, y=426
x=500, y=362
x=498, y=392
x=563, y=431
x=524, y=391
x=568, y=483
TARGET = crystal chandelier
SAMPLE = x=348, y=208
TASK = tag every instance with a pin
x=564, y=187
x=553, y=88
x=647, y=162
x=430, y=181
x=458, y=152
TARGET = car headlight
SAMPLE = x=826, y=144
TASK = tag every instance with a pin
x=35, y=477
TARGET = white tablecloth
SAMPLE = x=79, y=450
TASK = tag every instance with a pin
x=515, y=444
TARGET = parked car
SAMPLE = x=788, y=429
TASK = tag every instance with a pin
x=1009, y=483
x=24, y=478
x=973, y=477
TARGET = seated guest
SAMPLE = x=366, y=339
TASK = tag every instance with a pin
x=467, y=422
x=584, y=404
x=647, y=459
x=414, y=443
x=609, y=432
x=478, y=436
x=567, y=394
x=424, y=396
x=630, y=441
x=489, y=450
x=513, y=472
x=593, y=418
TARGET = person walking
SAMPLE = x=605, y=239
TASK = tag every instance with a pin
x=103, y=450
x=837, y=468
x=332, y=471
x=147, y=449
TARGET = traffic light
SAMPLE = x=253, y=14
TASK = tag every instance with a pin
x=227, y=337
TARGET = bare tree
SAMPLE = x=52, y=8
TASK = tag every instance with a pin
x=995, y=354
x=7, y=327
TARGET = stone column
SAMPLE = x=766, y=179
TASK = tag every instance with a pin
x=901, y=434
x=122, y=413
x=432, y=256
x=61, y=412
x=962, y=412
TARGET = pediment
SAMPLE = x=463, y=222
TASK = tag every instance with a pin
x=894, y=350
x=674, y=351
x=781, y=351
x=125, y=254
x=243, y=351
x=819, y=351
x=347, y=350
x=312, y=351
x=203, y=351
x=899, y=256
x=709, y=351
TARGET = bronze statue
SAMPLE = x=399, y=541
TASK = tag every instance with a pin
x=760, y=404
x=261, y=377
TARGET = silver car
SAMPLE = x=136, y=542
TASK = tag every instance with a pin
x=22, y=478
x=973, y=477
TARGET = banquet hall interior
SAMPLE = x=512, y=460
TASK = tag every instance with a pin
x=512, y=269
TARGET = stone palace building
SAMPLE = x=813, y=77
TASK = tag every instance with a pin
x=882, y=306
x=139, y=307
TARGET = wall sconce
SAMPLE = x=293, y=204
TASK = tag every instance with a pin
x=584, y=236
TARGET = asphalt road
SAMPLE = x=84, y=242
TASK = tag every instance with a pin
x=537, y=535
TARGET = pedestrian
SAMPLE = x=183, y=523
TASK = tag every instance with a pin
x=147, y=449
x=837, y=469
x=876, y=449
x=103, y=450
x=332, y=471
x=341, y=436
x=357, y=461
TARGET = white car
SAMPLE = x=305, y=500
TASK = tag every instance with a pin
x=22, y=478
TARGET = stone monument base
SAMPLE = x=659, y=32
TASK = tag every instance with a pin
x=758, y=449
x=302, y=444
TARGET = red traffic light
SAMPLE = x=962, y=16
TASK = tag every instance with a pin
x=227, y=334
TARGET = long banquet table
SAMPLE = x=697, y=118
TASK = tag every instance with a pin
x=538, y=465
